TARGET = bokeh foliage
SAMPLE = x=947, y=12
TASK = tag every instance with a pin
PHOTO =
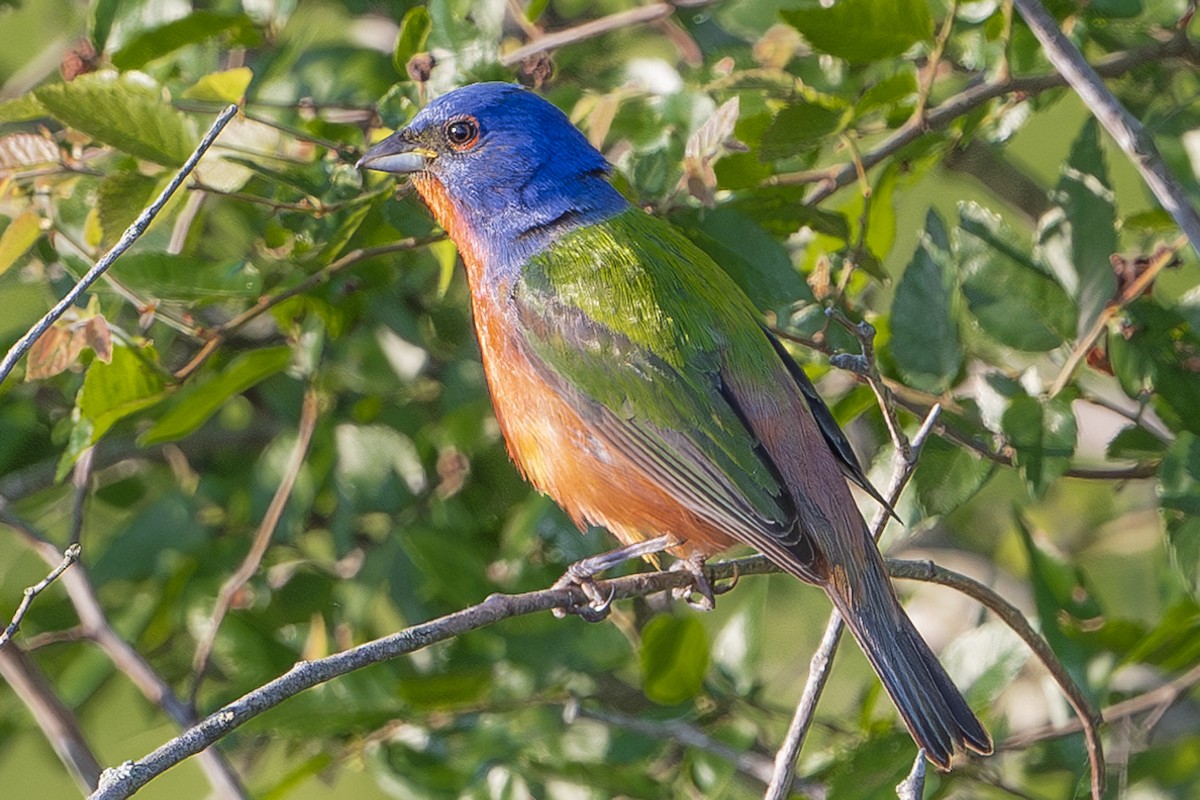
x=983, y=249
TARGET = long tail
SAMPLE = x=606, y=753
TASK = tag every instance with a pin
x=936, y=714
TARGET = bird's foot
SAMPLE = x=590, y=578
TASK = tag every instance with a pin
x=701, y=584
x=581, y=575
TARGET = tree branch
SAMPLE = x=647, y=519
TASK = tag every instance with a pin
x=69, y=557
x=131, y=235
x=589, y=30
x=1129, y=134
x=58, y=723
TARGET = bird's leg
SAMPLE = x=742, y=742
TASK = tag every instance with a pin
x=582, y=573
x=701, y=585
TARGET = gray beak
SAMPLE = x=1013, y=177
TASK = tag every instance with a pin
x=397, y=154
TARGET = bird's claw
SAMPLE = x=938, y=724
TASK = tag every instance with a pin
x=701, y=585
x=598, y=605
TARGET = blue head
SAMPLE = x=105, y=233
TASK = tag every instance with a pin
x=503, y=170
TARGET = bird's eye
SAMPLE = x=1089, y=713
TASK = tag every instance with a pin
x=462, y=133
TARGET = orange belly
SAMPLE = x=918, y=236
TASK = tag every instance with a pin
x=555, y=450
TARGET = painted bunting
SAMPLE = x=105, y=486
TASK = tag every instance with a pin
x=636, y=384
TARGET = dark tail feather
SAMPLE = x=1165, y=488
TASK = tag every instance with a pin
x=936, y=714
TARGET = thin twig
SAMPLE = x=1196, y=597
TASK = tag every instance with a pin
x=69, y=557
x=1155, y=700
x=818, y=670
x=95, y=626
x=219, y=334
x=58, y=723
x=262, y=538
x=1128, y=133
x=589, y=30
x=123, y=781
x=131, y=235
x=1161, y=259
x=830, y=179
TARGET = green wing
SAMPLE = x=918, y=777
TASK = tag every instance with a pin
x=629, y=322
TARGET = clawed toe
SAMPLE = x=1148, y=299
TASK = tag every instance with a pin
x=701, y=585
x=598, y=604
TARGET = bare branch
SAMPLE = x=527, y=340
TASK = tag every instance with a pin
x=262, y=538
x=832, y=178
x=589, y=30
x=59, y=725
x=1129, y=134
x=131, y=235
x=69, y=557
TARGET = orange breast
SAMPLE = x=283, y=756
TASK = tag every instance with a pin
x=552, y=446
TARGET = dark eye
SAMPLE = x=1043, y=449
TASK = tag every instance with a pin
x=462, y=133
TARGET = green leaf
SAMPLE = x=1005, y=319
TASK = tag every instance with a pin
x=1077, y=238
x=1155, y=351
x=21, y=109
x=1013, y=300
x=781, y=211
x=948, y=475
x=674, y=658
x=1135, y=442
x=1174, y=643
x=759, y=264
x=100, y=20
x=414, y=32
x=228, y=86
x=200, y=400
x=164, y=276
x=1060, y=593
x=1042, y=434
x=19, y=235
x=800, y=127
x=1179, y=488
x=862, y=31
x=110, y=392
x=158, y=42
x=925, y=339
x=124, y=114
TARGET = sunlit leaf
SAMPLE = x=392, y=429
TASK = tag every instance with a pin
x=414, y=31
x=18, y=237
x=165, y=39
x=862, y=30
x=124, y=114
x=228, y=86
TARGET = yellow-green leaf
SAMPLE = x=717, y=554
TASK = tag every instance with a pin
x=18, y=237
x=228, y=86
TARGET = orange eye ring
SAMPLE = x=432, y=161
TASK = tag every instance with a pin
x=462, y=133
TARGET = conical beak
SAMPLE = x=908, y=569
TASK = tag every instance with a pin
x=397, y=154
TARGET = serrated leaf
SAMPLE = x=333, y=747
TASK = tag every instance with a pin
x=861, y=31
x=800, y=127
x=1043, y=435
x=1078, y=236
x=123, y=114
x=1155, y=351
x=199, y=401
x=227, y=86
x=925, y=338
x=157, y=42
x=414, y=32
x=674, y=658
x=1014, y=301
x=18, y=237
x=780, y=210
x=21, y=109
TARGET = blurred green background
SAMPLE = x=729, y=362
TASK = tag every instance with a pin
x=982, y=257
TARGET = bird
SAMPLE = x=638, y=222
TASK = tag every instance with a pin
x=638, y=386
